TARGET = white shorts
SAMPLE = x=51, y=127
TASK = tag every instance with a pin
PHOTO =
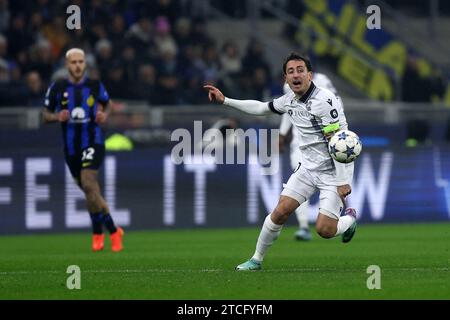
x=295, y=157
x=303, y=184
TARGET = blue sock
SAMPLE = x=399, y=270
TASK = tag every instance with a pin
x=109, y=223
x=96, y=219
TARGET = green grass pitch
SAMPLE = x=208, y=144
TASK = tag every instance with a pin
x=199, y=264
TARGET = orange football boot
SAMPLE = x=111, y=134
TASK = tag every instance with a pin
x=98, y=242
x=116, y=240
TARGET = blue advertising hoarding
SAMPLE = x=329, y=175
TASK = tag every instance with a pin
x=147, y=190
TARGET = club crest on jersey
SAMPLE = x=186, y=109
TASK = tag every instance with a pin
x=90, y=101
x=308, y=106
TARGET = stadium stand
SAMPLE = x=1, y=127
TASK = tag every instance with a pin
x=140, y=48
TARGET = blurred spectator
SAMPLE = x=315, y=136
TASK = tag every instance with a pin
x=163, y=38
x=44, y=8
x=78, y=40
x=254, y=58
x=199, y=34
x=97, y=31
x=168, y=82
x=117, y=29
x=167, y=8
x=3, y=47
x=56, y=33
x=35, y=88
x=11, y=92
x=140, y=34
x=212, y=64
x=182, y=33
x=193, y=92
x=5, y=15
x=130, y=63
x=145, y=87
x=18, y=37
x=230, y=59
x=261, y=85
x=4, y=72
x=192, y=69
x=104, y=51
x=115, y=81
x=98, y=12
x=41, y=59
x=36, y=23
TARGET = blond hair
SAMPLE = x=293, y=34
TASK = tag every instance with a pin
x=74, y=50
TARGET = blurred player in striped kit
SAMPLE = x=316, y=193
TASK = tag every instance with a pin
x=80, y=105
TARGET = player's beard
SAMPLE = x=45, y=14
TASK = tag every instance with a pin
x=302, y=87
x=77, y=74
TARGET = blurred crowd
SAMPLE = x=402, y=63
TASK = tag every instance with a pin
x=153, y=51
x=159, y=52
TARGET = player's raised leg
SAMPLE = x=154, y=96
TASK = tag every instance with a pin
x=270, y=231
x=99, y=210
x=329, y=227
x=329, y=222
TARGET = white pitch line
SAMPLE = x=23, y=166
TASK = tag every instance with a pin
x=299, y=270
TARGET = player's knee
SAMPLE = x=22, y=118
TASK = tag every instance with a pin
x=281, y=213
x=279, y=216
x=325, y=231
x=88, y=186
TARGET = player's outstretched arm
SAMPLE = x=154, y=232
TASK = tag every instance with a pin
x=248, y=106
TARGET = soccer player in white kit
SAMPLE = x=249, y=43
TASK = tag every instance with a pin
x=317, y=114
x=321, y=81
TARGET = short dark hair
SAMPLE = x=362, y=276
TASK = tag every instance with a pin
x=297, y=56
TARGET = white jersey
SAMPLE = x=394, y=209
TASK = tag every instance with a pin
x=316, y=109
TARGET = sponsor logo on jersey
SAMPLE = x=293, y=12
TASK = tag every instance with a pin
x=64, y=100
x=299, y=113
x=78, y=115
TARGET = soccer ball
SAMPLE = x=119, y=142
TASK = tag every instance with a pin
x=345, y=146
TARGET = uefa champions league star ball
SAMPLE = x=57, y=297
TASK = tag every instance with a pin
x=345, y=146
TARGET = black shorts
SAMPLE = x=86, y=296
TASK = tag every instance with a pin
x=89, y=158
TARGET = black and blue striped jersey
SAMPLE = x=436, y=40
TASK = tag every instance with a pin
x=81, y=100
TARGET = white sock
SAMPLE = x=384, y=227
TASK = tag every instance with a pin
x=269, y=233
x=343, y=224
x=302, y=215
